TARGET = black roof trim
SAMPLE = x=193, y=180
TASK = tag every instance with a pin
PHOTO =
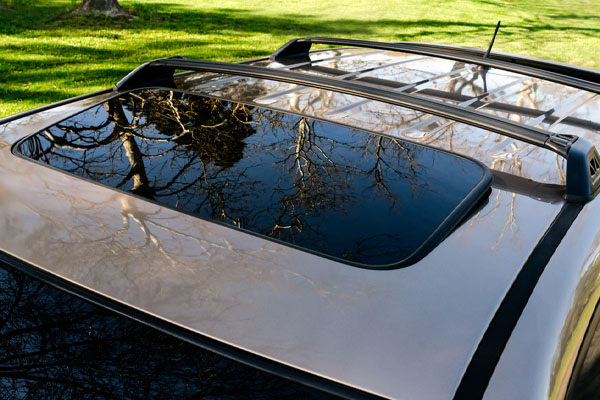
x=159, y=73
x=487, y=355
x=581, y=78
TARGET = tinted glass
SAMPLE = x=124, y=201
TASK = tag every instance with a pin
x=337, y=191
x=55, y=346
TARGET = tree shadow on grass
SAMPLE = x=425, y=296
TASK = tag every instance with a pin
x=45, y=96
x=174, y=17
x=595, y=18
x=231, y=34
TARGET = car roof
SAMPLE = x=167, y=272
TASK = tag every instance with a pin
x=528, y=100
x=400, y=334
x=365, y=199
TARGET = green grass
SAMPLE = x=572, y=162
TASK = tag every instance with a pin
x=48, y=54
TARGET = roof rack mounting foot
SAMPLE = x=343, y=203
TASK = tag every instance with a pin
x=293, y=48
x=583, y=171
x=149, y=74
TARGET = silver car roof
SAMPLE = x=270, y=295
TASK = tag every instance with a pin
x=400, y=334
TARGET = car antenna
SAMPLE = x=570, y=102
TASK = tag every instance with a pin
x=484, y=69
x=487, y=53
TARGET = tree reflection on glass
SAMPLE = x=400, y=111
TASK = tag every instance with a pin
x=331, y=189
x=56, y=346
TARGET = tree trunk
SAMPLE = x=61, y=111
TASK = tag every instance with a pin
x=110, y=8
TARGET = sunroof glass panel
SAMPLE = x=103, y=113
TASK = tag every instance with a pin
x=343, y=193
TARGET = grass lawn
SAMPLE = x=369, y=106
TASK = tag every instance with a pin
x=47, y=54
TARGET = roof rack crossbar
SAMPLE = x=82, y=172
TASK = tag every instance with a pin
x=560, y=115
x=296, y=66
x=415, y=86
x=580, y=78
x=145, y=76
x=346, y=76
x=351, y=75
x=441, y=94
x=159, y=73
x=338, y=57
x=468, y=103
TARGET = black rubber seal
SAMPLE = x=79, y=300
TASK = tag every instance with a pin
x=486, y=357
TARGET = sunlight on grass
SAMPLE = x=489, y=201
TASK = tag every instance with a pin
x=47, y=54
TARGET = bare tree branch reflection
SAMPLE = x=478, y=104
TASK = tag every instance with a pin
x=506, y=95
x=287, y=177
x=56, y=346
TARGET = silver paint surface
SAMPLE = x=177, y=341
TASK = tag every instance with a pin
x=541, y=352
x=404, y=334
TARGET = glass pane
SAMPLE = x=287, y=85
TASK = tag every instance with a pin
x=341, y=192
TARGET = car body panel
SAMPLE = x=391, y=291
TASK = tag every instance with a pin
x=542, y=351
x=407, y=333
x=411, y=331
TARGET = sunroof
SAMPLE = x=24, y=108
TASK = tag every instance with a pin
x=367, y=199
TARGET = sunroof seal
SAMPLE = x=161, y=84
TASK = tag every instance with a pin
x=460, y=207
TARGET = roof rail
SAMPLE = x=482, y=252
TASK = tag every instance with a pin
x=581, y=78
x=581, y=182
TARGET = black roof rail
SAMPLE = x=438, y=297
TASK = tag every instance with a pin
x=581, y=183
x=586, y=74
x=581, y=78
